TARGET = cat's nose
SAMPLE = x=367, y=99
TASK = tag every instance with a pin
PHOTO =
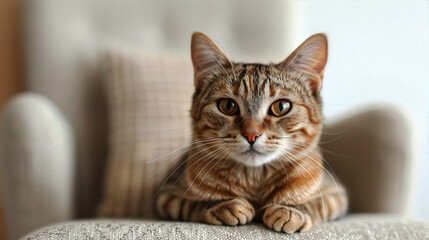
x=251, y=137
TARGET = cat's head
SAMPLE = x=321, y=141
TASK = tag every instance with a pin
x=257, y=113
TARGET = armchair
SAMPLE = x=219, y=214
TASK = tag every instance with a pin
x=53, y=138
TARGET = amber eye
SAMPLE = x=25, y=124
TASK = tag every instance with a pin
x=280, y=108
x=228, y=106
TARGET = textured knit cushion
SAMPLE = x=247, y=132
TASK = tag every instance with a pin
x=377, y=227
x=149, y=98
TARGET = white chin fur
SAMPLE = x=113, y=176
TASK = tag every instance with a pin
x=253, y=159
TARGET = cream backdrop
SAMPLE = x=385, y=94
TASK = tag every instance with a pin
x=378, y=54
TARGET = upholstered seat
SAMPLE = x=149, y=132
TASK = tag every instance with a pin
x=351, y=227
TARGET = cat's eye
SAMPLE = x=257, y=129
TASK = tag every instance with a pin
x=280, y=108
x=228, y=106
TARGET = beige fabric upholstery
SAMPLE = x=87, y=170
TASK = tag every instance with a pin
x=370, y=151
x=36, y=164
x=149, y=98
x=350, y=228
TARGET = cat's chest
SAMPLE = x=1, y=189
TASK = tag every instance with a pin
x=230, y=180
x=254, y=183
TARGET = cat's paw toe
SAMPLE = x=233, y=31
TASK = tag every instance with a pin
x=286, y=219
x=233, y=212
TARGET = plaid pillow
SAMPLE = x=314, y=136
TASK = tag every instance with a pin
x=149, y=98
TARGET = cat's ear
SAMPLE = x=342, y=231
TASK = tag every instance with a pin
x=206, y=57
x=309, y=58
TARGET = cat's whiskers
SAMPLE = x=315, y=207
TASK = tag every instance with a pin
x=180, y=165
x=335, y=133
x=218, y=151
x=220, y=168
x=297, y=144
x=277, y=158
x=306, y=156
x=330, y=175
x=337, y=201
x=315, y=145
x=226, y=153
x=198, y=144
x=197, y=161
x=331, y=140
x=229, y=155
x=240, y=166
x=291, y=157
x=320, y=165
x=182, y=147
x=292, y=161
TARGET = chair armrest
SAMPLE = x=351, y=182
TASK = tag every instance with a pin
x=370, y=150
x=36, y=164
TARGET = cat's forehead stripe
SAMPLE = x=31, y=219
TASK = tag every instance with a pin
x=250, y=79
x=251, y=68
x=244, y=88
x=236, y=87
x=273, y=92
x=265, y=86
x=225, y=89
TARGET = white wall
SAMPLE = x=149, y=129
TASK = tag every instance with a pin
x=379, y=52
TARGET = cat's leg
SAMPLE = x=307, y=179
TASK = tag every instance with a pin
x=328, y=204
x=288, y=219
x=228, y=212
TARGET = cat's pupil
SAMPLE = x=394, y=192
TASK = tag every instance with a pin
x=282, y=106
x=229, y=105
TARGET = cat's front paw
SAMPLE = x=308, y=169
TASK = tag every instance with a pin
x=286, y=219
x=231, y=212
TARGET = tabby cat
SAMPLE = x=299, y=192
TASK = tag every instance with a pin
x=255, y=154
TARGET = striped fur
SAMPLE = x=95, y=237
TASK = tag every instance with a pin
x=280, y=179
